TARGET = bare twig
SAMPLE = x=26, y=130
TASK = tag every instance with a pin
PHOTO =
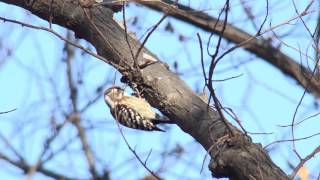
x=5, y=112
x=310, y=78
x=303, y=161
x=136, y=155
x=126, y=35
x=148, y=35
x=259, y=47
x=301, y=121
x=290, y=140
x=107, y=42
x=144, y=164
x=62, y=38
x=211, y=70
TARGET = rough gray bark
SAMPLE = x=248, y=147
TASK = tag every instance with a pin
x=233, y=157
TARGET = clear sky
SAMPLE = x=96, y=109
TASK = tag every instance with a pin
x=262, y=96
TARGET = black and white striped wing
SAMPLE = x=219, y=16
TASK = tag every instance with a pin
x=132, y=119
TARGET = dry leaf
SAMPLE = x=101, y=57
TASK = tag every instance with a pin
x=303, y=173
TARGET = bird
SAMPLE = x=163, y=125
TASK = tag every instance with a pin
x=133, y=112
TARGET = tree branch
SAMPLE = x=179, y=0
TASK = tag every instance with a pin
x=259, y=47
x=234, y=157
x=25, y=167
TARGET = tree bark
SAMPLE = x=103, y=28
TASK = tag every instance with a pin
x=234, y=157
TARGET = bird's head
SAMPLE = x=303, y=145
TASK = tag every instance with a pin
x=113, y=96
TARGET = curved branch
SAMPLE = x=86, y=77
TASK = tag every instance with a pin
x=234, y=157
x=260, y=47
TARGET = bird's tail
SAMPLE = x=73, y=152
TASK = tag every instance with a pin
x=162, y=120
x=158, y=129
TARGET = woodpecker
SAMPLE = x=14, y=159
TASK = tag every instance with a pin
x=132, y=112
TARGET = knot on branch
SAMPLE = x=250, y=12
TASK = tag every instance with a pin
x=224, y=151
x=239, y=140
x=132, y=78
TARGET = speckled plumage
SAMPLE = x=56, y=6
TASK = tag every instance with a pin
x=132, y=112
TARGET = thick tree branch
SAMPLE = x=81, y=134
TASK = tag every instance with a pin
x=260, y=47
x=233, y=157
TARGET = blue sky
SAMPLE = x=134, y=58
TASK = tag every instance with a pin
x=262, y=97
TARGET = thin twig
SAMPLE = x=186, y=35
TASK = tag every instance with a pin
x=308, y=82
x=290, y=140
x=148, y=35
x=109, y=44
x=5, y=112
x=62, y=38
x=135, y=153
x=212, y=68
x=303, y=161
x=126, y=35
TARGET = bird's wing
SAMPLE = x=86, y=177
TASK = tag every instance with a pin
x=140, y=105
